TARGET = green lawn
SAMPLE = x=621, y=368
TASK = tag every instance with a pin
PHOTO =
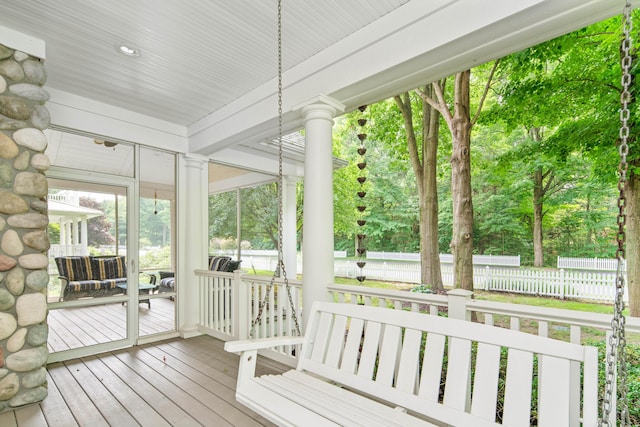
x=567, y=304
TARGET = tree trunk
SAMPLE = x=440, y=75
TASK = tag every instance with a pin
x=633, y=241
x=429, y=234
x=538, y=193
x=632, y=194
x=591, y=232
x=460, y=124
x=425, y=172
x=462, y=238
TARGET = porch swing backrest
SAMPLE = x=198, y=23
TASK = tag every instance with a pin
x=357, y=363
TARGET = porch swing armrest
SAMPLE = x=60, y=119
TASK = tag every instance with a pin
x=261, y=343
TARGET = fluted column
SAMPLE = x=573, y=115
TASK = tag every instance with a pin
x=317, y=231
x=63, y=237
x=192, y=245
x=75, y=234
x=84, y=236
x=289, y=227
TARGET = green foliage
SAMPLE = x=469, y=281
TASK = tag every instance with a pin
x=155, y=221
x=632, y=351
x=54, y=232
x=222, y=215
x=259, y=212
x=422, y=289
x=156, y=258
x=98, y=228
x=391, y=201
x=568, y=90
x=260, y=215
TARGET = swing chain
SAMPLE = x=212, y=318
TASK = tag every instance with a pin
x=617, y=340
x=280, y=266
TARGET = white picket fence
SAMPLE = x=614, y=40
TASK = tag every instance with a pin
x=575, y=284
x=263, y=253
x=502, y=260
x=601, y=264
x=591, y=285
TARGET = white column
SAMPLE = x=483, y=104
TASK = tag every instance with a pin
x=173, y=234
x=192, y=239
x=289, y=226
x=68, y=244
x=75, y=234
x=317, y=231
x=84, y=237
x=63, y=237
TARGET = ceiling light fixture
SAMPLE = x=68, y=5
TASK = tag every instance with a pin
x=105, y=143
x=128, y=50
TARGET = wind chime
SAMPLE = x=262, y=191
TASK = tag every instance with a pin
x=361, y=249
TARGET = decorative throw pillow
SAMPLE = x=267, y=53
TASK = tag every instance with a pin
x=109, y=268
x=218, y=262
x=75, y=268
x=232, y=266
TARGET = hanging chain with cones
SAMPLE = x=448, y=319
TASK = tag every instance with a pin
x=361, y=249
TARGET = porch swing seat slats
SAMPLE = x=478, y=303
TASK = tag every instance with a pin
x=341, y=408
x=368, y=366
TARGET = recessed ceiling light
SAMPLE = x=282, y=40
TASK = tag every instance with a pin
x=128, y=50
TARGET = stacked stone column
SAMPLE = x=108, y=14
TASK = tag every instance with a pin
x=23, y=230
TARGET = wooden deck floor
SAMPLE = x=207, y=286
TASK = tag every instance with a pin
x=83, y=326
x=171, y=383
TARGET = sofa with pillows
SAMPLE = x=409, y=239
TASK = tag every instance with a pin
x=216, y=263
x=91, y=276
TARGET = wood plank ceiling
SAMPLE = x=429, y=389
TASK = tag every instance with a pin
x=196, y=56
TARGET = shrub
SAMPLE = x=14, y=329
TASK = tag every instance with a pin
x=632, y=351
x=423, y=289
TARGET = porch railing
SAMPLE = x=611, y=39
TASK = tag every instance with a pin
x=459, y=305
x=229, y=302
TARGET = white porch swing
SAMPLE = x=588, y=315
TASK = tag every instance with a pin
x=368, y=366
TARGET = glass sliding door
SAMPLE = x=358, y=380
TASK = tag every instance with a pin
x=93, y=258
x=89, y=266
x=157, y=308
x=112, y=233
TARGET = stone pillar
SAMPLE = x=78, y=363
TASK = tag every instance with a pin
x=317, y=228
x=23, y=230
